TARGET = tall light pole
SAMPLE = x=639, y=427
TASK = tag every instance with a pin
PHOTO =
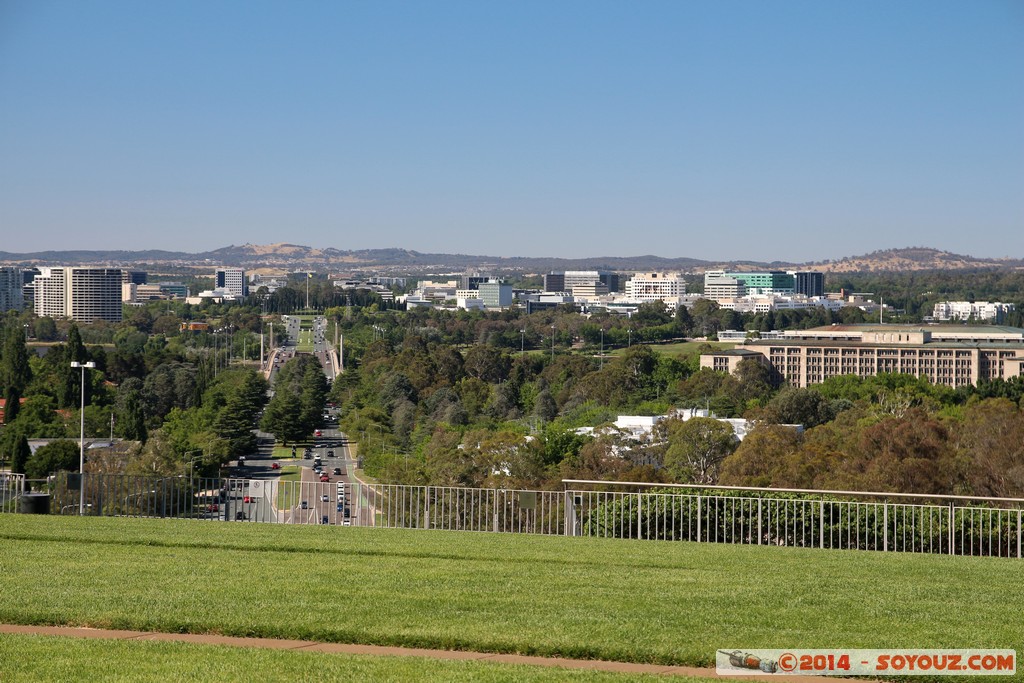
x=522, y=341
x=190, y=464
x=552, y=343
x=602, y=348
x=81, y=438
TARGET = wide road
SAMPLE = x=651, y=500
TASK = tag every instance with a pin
x=309, y=488
x=313, y=492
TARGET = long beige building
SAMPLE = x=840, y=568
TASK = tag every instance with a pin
x=952, y=355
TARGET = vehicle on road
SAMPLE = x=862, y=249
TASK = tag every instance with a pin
x=337, y=471
x=318, y=433
x=241, y=461
x=305, y=505
x=347, y=522
x=275, y=465
x=324, y=520
x=240, y=516
x=324, y=498
x=325, y=477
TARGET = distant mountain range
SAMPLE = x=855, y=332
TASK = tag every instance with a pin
x=293, y=256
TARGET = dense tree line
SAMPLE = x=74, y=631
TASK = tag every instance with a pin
x=426, y=408
x=164, y=391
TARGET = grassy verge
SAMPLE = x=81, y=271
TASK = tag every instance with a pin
x=285, y=452
x=288, y=496
x=55, y=658
x=677, y=349
x=599, y=598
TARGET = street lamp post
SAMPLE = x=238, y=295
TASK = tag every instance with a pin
x=522, y=341
x=552, y=343
x=81, y=438
x=602, y=348
x=190, y=465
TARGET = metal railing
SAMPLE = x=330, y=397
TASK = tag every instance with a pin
x=12, y=488
x=921, y=523
x=953, y=525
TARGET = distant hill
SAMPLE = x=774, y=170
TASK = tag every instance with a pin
x=294, y=256
x=912, y=258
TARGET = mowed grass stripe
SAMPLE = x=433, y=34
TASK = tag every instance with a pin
x=672, y=603
x=55, y=658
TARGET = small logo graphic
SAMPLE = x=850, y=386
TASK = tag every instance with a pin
x=746, y=660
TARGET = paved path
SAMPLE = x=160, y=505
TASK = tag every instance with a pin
x=345, y=648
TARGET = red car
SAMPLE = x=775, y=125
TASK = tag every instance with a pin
x=324, y=477
x=275, y=465
x=317, y=433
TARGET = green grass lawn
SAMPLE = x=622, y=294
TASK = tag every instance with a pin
x=677, y=349
x=57, y=658
x=613, y=599
x=285, y=452
x=288, y=496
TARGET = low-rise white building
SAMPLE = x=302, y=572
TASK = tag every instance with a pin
x=967, y=310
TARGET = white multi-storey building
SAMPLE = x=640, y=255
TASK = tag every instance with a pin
x=232, y=280
x=82, y=294
x=667, y=287
x=718, y=286
x=966, y=310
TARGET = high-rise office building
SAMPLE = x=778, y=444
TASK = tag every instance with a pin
x=11, y=297
x=82, y=294
x=232, y=280
x=808, y=282
x=554, y=282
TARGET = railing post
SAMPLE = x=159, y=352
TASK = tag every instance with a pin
x=760, y=533
x=426, y=508
x=570, y=514
x=885, y=522
x=821, y=525
x=698, y=518
x=639, y=515
x=951, y=535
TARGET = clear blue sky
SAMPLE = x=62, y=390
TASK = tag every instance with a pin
x=714, y=129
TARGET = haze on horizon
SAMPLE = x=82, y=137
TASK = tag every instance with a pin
x=791, y=131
